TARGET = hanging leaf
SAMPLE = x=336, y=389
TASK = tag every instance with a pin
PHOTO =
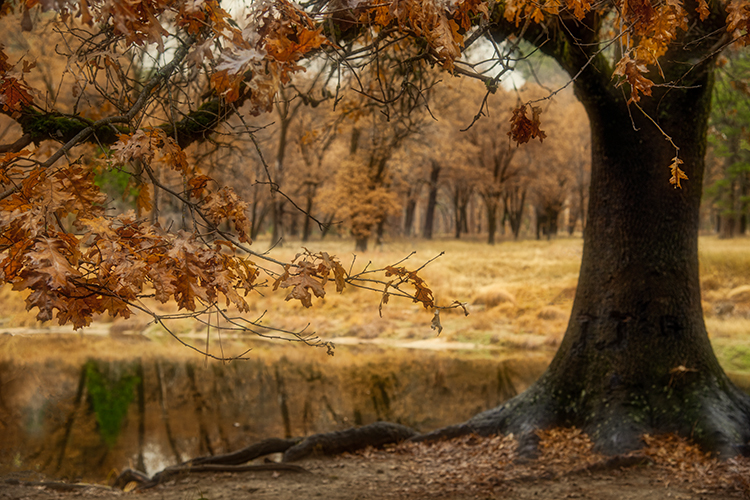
x=523, y=129
x=435, y=324
x=677, y=173
x=631, y=71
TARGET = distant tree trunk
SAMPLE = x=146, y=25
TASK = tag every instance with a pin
x=461, y=198
x=278, y=222
x=294, y=224
x=380, y=232
x=465, y=216
x=307, y=224
x=409, y=211
x=514, y=201
x=456, y=212
x=257, y=216
x=429, y=216
x=491, y=204
x=360, y=244
x=541, y=221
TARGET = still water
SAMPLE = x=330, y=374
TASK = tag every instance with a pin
x=90, y=419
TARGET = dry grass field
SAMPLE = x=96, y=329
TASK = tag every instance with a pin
x=519, y=295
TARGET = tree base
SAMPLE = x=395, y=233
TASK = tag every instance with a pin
x=717, y=418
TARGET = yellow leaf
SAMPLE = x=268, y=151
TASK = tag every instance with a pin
x=677, y=173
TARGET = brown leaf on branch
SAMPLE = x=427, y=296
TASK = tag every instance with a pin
x=151, y=146
x=311, y=275
x=631, y=71
x=422, y=292
x=14, y=95
x=738, y=20
x=523, y=129
x=301, y=286
x=226, y=205
x=197, y=185
x=47, y=259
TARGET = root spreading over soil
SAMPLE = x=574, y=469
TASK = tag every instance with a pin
x=468, y=467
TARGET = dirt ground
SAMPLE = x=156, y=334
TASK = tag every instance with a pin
x=464, y=468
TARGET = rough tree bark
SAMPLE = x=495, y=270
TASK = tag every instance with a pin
x=636, y=357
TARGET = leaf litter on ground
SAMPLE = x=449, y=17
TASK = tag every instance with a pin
x=479, y=465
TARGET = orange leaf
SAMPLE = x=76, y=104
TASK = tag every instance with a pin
x=197, y=185
x=226, y=85
x=14, y=95
x=703, y=10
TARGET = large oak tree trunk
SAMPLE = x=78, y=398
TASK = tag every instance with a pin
x=636, y=357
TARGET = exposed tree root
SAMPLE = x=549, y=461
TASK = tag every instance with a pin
x=330, y=443
x=263, y=448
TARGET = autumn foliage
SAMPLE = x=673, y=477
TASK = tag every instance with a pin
x=152, y=77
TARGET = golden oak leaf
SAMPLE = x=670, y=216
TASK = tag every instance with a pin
x=579, y=7
x=446, y=40
x=632, y=72
x=223, y=280
x=283, y=277
x=300, y=288
x=738, y=19
x=4, y=66
x=422, y=293
x=384, y=298
x=8, y=157
x=187, y=290
x=677, y=173
x=136, y=146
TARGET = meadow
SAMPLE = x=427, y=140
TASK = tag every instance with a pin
x=518, y=293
